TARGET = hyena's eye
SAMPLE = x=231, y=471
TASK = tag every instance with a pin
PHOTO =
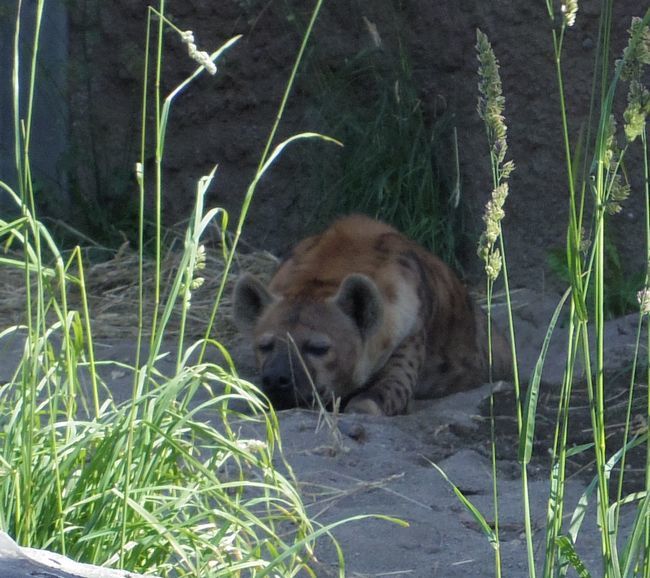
x=316, y=349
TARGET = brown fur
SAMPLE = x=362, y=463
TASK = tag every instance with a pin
x=362, y=313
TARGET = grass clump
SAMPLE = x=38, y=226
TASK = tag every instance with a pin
x=620, y=286
x=393, y=165
x=148, y=485
x=164, y=483
x=595, y=195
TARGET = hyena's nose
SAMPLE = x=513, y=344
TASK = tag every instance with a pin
x=276, y=375
x=279, y=381
x=276, y=383
x=279, y=389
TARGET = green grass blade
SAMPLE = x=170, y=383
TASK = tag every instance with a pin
x=480, y=519
x=567, y=550
x=527, y=432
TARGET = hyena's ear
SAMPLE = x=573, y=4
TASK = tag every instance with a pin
x=250, y=299
x=360, y=299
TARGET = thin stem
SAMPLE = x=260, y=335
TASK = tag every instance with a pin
x=140, y=379
x=515, y=377
x=89, y=333
x=16, y=104
x=140, y=177
x=575, y=222
x=30, y=370
x=598, y=399
x=263, y=160
x=555, y=506
x=495, y=490
x=32, y=78
x=160, y=129
x=646, y=183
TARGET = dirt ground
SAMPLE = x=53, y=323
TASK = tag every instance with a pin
x=384, y=466
x=369, y=465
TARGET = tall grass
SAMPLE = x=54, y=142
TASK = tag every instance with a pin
x=595, y=193
x=149, y=485
x=393, y=166
x=608, y=190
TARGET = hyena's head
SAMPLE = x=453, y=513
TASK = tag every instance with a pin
x=306, y=346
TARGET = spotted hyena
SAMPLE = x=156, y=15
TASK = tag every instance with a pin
x=364, y=314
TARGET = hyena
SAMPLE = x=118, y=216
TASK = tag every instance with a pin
x=363, y=314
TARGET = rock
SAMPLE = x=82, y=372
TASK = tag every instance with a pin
x=17, y=562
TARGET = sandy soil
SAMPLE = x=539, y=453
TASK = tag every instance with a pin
x=364, y=465
x=384, y=466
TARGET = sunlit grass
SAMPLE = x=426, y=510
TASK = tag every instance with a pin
x=603, y=184
x=163, y=483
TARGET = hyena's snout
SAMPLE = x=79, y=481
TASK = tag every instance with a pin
x=285, y=381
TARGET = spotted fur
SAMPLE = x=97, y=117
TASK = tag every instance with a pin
x=363, y=314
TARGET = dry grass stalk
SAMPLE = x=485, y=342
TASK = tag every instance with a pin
x=112, y=290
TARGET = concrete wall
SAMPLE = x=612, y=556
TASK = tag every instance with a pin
x=50, y=112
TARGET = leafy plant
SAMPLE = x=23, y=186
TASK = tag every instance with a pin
x=593, y=273
x=148, y=485
x=392, y=164
x=620, y=287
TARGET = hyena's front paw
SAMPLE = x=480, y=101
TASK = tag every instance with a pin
x=363, y=405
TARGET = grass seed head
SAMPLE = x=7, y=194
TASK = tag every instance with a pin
x=200, y=258
x=637, y=52
x=643, y=297
x=618, y=193
x=637, y=110
x=569, y=12
x=636, y=57
x=251, y=445
x=611, y=151
x=491, y=101
x=200, y=56
x=490, y=108
x=493, y=265
x=492, y=217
